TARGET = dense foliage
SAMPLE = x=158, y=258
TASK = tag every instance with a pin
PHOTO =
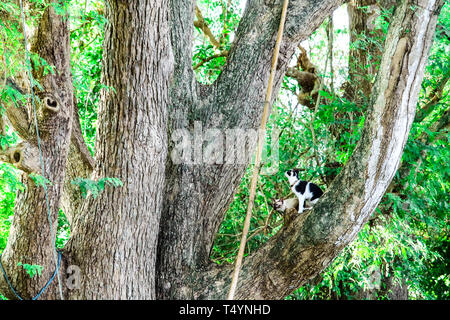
x=406, y=242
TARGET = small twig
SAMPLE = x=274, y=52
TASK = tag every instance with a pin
x=202, y=25
x=225, y=13
x=288, y=119
x=269, y=211
x=432, y=99
x=217, y=55
x=85, y=109
x=262, y=228
x=266, y=225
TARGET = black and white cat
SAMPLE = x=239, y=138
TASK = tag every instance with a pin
x=304, y=190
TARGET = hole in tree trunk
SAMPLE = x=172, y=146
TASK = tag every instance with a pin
x=51, y=103
x=16, y=156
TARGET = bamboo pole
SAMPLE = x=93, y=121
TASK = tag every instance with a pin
x=257, y=166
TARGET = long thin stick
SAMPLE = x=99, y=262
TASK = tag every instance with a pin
x=251, y=199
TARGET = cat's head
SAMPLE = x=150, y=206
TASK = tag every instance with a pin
x=292, y=175
x=278, y=205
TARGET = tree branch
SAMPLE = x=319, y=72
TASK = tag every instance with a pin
x=306, y=80
x=233, y=101
x=309, y=80
x=248, y=61
x=217, y=55
x=433, y=99
x=243, y=81
x=202, y=25
x=311, y=242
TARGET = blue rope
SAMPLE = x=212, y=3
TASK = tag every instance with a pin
x=7, y=280
x=51, y=279
x=40, y=291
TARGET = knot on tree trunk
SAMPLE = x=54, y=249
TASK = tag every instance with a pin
x=23, y=156
x=49, y=102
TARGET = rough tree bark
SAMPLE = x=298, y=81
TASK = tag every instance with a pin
x=152, y=237
x=31, y=240
x=116, y=242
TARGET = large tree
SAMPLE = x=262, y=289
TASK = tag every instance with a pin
x=152, y=237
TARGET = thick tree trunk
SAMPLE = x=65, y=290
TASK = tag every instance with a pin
x=114, y=240
x=31, y=240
